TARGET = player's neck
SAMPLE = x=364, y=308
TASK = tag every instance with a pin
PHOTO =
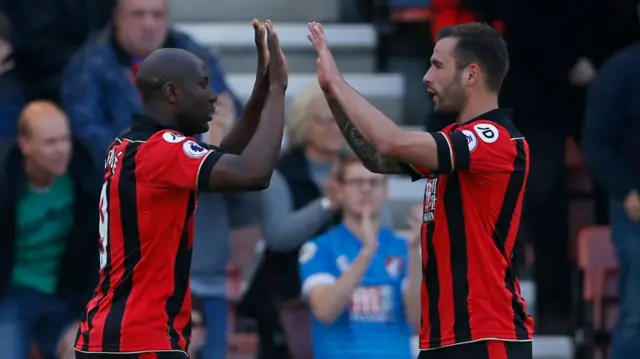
x=354, y=226
x=477, y=106
x=36, y=177
x=159, y=114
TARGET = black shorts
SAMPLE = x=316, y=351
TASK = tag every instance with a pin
x=482, y=350
x=158, y=355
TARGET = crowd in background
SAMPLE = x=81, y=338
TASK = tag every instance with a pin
x=66, y=90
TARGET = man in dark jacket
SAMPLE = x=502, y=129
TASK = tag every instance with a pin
x=48, y=252
x=612, y=129
x=97, y=88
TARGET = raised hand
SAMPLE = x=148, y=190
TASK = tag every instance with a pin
x=327, y=68
x=369, y=230
x=262, y=72
x=278, y=75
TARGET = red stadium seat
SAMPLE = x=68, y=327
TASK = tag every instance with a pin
x=295, y=316
x=597, y=261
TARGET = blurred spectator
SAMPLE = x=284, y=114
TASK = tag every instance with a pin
x=294, y=209
x=610, y=144
x=361, y=280
x=49, y=261
x=547, y=96
x=12, y=97
x=97, y=87
x=220, y=219
x=47, y=33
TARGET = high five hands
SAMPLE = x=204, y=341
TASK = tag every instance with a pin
x=328, y=71
x=272, y=64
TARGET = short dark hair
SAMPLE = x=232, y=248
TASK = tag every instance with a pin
x=481, y=44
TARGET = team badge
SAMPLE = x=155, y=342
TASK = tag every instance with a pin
x=193, y=150
x=472, y=141
x=307, y=252
x=173, y=137
x=393, y=265
x=343, y=263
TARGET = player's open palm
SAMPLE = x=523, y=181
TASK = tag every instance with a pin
x=278, y=75
x=327, y=68
x=368, y=229
x=262, y=73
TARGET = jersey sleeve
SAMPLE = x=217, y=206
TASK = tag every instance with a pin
x=316, y=266
x=476, y=147
x=172, y=160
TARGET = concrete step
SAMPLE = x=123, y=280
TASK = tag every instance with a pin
x=385, y=91
x=245, y=10
x=353, y=45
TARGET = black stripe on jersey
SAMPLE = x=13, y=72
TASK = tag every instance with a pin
x=104, y=286
x=445, y=151
x=502, y=227
x=430, y=275
x=180, y=277
x=453, y=207
x=460, y=149
x=127, y=193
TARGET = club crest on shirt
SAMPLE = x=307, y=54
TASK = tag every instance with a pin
x=393, y=265
x=342, y=262
x=307, y=252
x=193, y=149
x=430, y=189
x=173, y=137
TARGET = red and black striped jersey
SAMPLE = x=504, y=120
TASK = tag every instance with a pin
x=472, y=210
x=147, y=204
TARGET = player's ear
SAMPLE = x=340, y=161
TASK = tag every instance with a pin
x=471, y=74
x=171, y=92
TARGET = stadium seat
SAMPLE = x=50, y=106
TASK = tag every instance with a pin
x=597, y=262
x=295, y=316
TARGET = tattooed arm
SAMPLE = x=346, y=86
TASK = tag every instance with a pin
x=382, y=145
x=369, y=155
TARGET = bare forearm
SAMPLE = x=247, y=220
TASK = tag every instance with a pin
x=412, y=290
x=332, y=300
x=264, y=147
x=371, y=158
x=240, y=136
x=375, y=126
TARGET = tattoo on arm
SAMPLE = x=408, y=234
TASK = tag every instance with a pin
x=371, y=158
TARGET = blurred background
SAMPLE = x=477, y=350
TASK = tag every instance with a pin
x=66, y=70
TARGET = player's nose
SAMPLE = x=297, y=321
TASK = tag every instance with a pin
x=213, y=97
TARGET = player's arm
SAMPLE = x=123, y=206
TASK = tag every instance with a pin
x=328, y=296
x=237, y=140
x=362, y=121
x=252, y=169
x=373, y=160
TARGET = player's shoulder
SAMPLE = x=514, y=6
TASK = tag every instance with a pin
x=171, y=140
x=488, y=132
x=170, y=137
